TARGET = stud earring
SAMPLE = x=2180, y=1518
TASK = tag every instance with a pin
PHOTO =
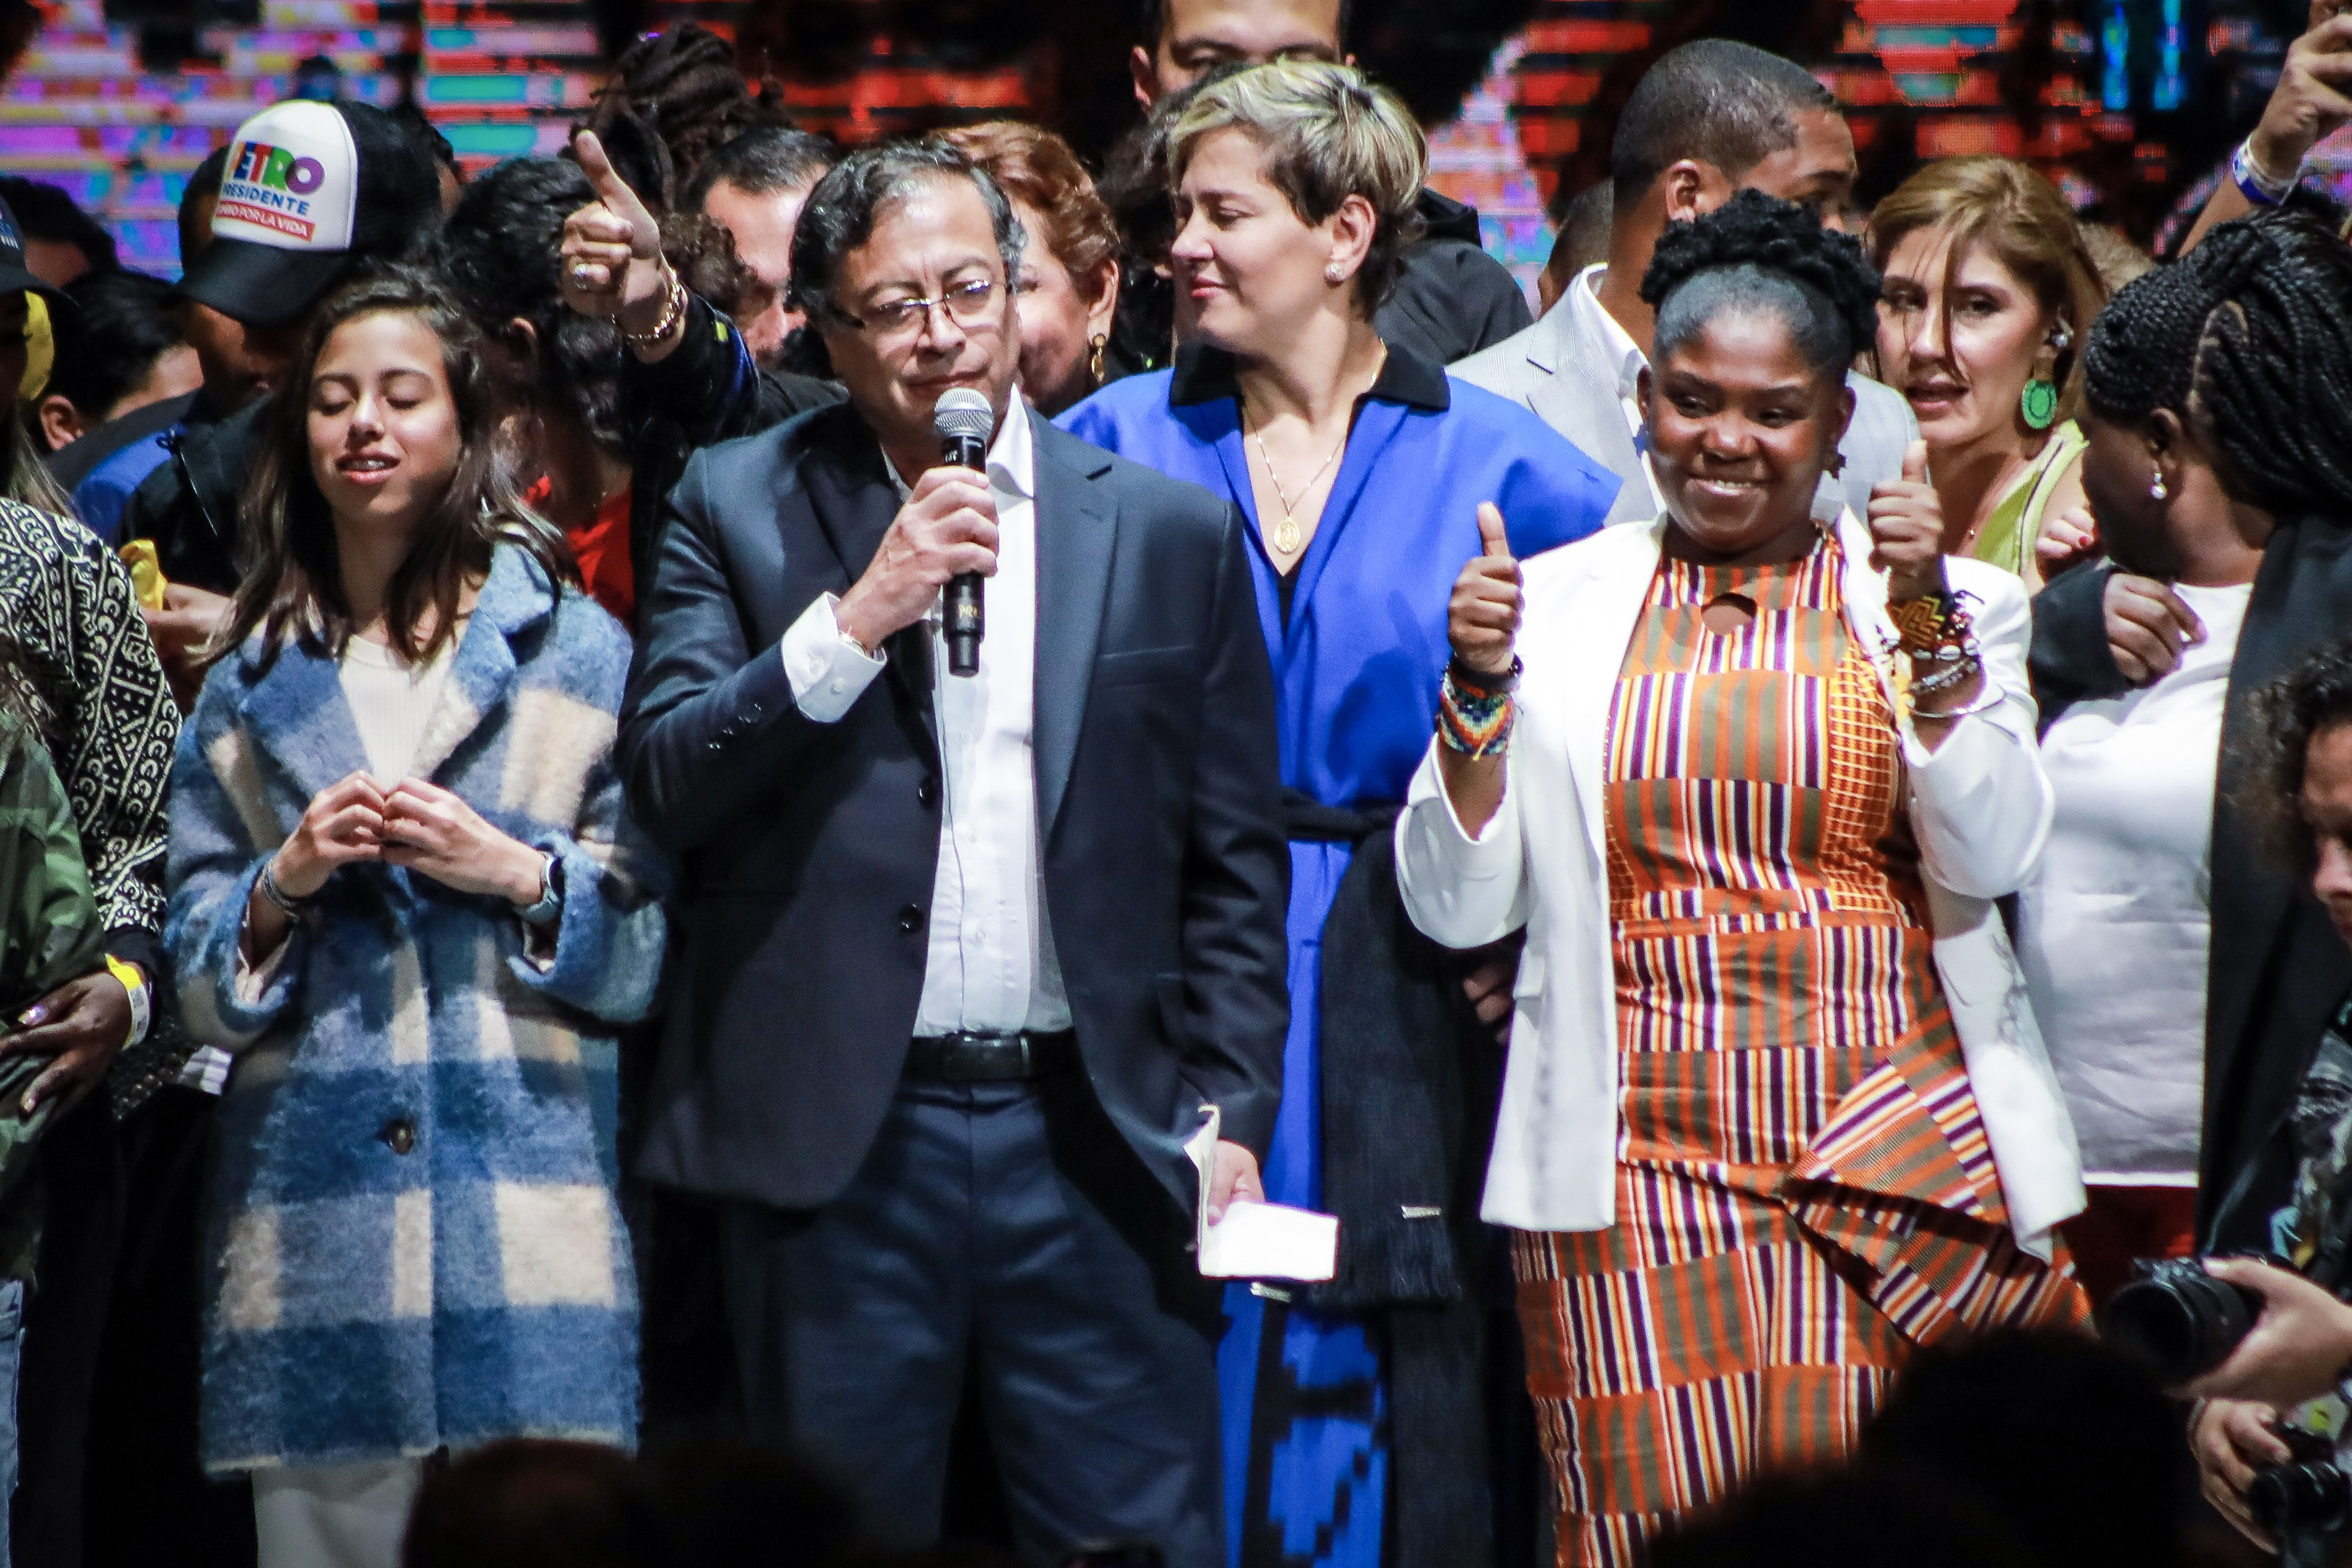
x=2156, y=490
x=1330, y=275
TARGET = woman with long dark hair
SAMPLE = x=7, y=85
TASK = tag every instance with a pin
x=405, y=895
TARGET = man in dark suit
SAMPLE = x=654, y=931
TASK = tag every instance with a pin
x=966, y=959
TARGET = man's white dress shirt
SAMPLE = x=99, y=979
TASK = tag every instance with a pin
x=991, y=967
x=1616, y=347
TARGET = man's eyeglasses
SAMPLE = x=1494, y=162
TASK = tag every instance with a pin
x=970, y=304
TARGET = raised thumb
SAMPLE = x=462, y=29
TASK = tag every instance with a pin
x=1491, y=532
x=611, y=189
x=1914, y=463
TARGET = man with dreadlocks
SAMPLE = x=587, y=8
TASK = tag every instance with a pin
x=2223, y=383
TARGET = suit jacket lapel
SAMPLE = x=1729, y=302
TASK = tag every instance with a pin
x=850, y=492
x=515, y=596
x=1077, y=527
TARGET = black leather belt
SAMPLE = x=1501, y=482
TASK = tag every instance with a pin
x=991, y=1057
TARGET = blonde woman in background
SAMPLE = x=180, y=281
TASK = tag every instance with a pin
x=1989, y=289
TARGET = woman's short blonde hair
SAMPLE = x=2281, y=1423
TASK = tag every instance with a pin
x=1327, y=133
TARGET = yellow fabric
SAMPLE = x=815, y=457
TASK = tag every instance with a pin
x=40, y=350
x=2007, y=538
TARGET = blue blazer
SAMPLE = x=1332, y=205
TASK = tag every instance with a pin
x=413, y=1241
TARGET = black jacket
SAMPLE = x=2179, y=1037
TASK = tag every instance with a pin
x=188, y=506
x=2278, y=970
x=812, y=848
x=703, y=392
x=1453, y=298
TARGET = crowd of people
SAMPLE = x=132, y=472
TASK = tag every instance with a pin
x=614, y=957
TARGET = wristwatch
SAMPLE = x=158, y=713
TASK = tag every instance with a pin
x=550, y=894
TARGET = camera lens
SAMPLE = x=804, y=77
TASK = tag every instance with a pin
x=2179, y=1320
x=2287, y=1499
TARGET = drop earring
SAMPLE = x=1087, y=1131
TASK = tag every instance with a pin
x=2038, y=403
x=1094, y=359
x=2156, y=490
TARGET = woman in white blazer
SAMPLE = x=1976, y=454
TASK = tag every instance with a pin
x=1775, y=1110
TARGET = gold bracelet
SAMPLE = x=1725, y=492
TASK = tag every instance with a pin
x=673, y=313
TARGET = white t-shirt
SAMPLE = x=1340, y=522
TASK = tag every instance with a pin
x=392, y=703
x=2116, y=926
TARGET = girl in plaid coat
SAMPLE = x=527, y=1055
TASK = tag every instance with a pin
x=405, y=894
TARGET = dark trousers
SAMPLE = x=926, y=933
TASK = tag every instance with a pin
x=1004, y=1228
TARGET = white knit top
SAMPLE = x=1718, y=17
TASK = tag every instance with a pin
x=392, y=703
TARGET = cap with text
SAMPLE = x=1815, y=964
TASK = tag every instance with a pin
x=309, y=188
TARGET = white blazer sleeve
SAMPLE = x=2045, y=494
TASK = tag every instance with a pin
x=1461, y=892
x=1980, y=803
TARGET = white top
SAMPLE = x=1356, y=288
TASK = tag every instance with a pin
x=392, y=703
x=991, y=967
x=2115, y=926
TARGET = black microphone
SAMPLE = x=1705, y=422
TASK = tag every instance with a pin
x=963, y=421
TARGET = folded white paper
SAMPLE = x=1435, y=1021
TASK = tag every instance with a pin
x=1258, y=1240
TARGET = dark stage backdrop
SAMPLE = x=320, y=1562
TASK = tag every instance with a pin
x=2131, y=104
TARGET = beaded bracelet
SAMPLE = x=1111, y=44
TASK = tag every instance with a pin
x=1476, y=721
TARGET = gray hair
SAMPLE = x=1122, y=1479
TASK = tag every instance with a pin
x=842, y=210
x=1327, y=133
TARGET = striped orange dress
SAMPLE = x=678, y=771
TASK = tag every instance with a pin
x=1805, y=1188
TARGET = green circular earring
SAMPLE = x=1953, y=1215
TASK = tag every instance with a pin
x=2038, y=403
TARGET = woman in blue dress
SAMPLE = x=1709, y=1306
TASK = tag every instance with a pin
x=1354, y=1411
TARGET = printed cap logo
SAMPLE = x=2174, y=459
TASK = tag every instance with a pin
x=9, y=238
x=292, y=180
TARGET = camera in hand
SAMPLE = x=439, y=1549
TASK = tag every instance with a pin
x=2309, y=1495
x=2178, y=1319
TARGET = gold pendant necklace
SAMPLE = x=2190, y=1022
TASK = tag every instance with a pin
x=1287, y=533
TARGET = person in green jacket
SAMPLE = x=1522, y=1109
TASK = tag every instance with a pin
x=50, y=932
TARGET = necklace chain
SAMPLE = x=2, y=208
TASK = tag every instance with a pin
x=1286, y=532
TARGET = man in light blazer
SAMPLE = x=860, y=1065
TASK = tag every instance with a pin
x=1709, y=119
x=966, y=959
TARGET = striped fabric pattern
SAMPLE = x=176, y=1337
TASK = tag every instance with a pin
x=1805, y=1189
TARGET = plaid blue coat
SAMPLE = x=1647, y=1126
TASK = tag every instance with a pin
x=412, y=1238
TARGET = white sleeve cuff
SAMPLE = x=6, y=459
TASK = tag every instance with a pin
x=828, y=672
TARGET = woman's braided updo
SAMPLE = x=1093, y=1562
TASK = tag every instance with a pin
x=1759, y=253
x=2248, y=339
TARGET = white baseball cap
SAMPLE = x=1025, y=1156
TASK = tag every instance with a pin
x=309, y=188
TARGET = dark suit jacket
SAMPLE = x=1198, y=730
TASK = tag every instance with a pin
x=811, y=847
x=2278, y=971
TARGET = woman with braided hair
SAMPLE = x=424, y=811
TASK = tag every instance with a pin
x=1771, y=1117
x=2219, y=412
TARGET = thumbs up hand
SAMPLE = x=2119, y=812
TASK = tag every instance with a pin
x=611, y=258
x=1906, y=528
x=1483, y=619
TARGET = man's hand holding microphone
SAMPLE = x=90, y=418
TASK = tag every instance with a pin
x=946, y=530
